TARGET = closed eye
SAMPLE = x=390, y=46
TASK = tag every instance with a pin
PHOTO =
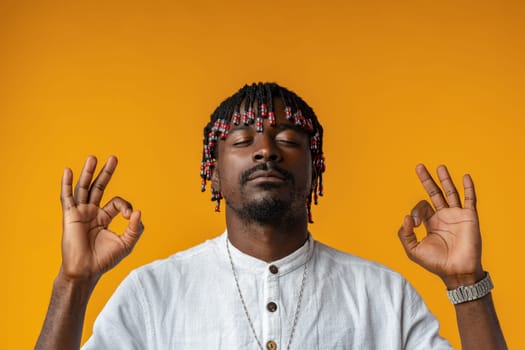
x=242, y=142
x=241, y=136
x=287, y=142
x=290, y=137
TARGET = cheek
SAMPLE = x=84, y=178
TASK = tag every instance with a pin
x=230, y=170
x=305, y=173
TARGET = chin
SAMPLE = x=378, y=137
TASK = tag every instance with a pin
x=268, y=210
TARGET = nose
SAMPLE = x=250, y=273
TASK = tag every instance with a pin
x=265, y=149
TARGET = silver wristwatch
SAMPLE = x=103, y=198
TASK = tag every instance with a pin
x=462, y=294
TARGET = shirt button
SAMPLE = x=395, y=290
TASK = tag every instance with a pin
x=271, y=306
x=271, y=345
x=273, y=269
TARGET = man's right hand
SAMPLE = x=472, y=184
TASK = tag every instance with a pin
x=89, y=248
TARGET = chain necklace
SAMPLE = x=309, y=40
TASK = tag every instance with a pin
x=296, y=315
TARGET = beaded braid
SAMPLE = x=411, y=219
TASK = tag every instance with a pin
x=258, y=106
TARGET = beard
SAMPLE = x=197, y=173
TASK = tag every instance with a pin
x=270, y=208
x=265, y=211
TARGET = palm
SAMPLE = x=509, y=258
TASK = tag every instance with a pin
x=452, y=245
x=451, y=235
x=89, y=248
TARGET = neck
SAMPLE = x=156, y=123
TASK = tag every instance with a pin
x=266, y=242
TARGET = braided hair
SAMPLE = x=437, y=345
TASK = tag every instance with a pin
x=258, y=105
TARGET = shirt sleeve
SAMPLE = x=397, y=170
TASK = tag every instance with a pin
x=124, y=321
x=420, y=326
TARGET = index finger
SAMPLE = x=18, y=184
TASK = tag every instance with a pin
x=433, y=190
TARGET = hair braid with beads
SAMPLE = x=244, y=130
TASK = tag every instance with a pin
x=258, y=105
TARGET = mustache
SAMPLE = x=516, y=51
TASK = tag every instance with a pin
x=265, y=167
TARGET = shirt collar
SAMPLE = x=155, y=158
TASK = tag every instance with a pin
x=284, y=265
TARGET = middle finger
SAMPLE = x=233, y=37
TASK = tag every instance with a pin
x=448, y=187
x=82, y=186
x=433, y=190
x=99, y=185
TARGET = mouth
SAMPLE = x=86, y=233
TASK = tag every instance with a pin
x=266, y=176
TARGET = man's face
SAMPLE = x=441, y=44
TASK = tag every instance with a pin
x=265, y=177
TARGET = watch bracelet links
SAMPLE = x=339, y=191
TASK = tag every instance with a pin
x=463, y=294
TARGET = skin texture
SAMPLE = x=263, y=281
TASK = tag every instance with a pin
x=451, y=249
x=271, y=173
x=89, y=249
x=280, y=147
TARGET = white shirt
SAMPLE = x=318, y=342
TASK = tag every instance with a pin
x=190, y=301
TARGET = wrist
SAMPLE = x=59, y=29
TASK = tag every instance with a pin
x=464, y=279
x=76, y=286
x=471, y=292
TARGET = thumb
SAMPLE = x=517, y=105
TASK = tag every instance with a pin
x=133, y=231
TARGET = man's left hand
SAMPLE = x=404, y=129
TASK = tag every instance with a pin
x=451, y=248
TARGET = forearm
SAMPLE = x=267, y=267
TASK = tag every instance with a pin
x=62, y=327
x=478, y=325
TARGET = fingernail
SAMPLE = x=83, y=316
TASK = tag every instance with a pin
x=416, y=220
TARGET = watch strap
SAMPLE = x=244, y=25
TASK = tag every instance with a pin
x=478, y=290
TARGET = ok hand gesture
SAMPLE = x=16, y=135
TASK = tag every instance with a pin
x=89, y=248
x=452, y=246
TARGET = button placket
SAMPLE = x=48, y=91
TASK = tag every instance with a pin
x=271, y=314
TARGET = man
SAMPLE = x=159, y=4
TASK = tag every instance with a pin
x=265, y=283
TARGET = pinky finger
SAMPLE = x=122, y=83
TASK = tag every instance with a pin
x=133, y=231
x=470, y=192
x=66, y=193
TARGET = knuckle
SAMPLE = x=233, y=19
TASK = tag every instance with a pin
x=434, y=192
x=99, y=186
x=107, y=172
x=451, y=193
x=445, y=179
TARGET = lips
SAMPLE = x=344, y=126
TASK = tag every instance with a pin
x=266, y=175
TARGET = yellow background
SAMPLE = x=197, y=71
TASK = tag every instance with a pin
x=394, y=83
